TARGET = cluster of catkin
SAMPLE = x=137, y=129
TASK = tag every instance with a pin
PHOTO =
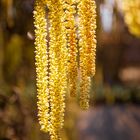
x=131, y=9
x=58, y=65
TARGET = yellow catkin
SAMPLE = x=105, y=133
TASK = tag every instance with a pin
x=58, y=67
x=41, y=64
x=87, y=44
x=72, y=45
x=131, y=9
x=54, y=63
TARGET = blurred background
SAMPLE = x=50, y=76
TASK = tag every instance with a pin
x=115, y=93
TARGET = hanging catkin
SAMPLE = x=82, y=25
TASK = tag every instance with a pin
x=72, y=45
x=131, y=10
x=58, y=67
x=56, y=60
x=41, y=64
x=87, y=43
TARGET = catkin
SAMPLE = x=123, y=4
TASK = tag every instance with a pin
x=72, y=45
x=56, y=60
x=41, y=64
x=131, y=10
x=87, y=44
x=58, y=66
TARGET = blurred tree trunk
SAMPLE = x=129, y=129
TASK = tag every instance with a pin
x=2, y=83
